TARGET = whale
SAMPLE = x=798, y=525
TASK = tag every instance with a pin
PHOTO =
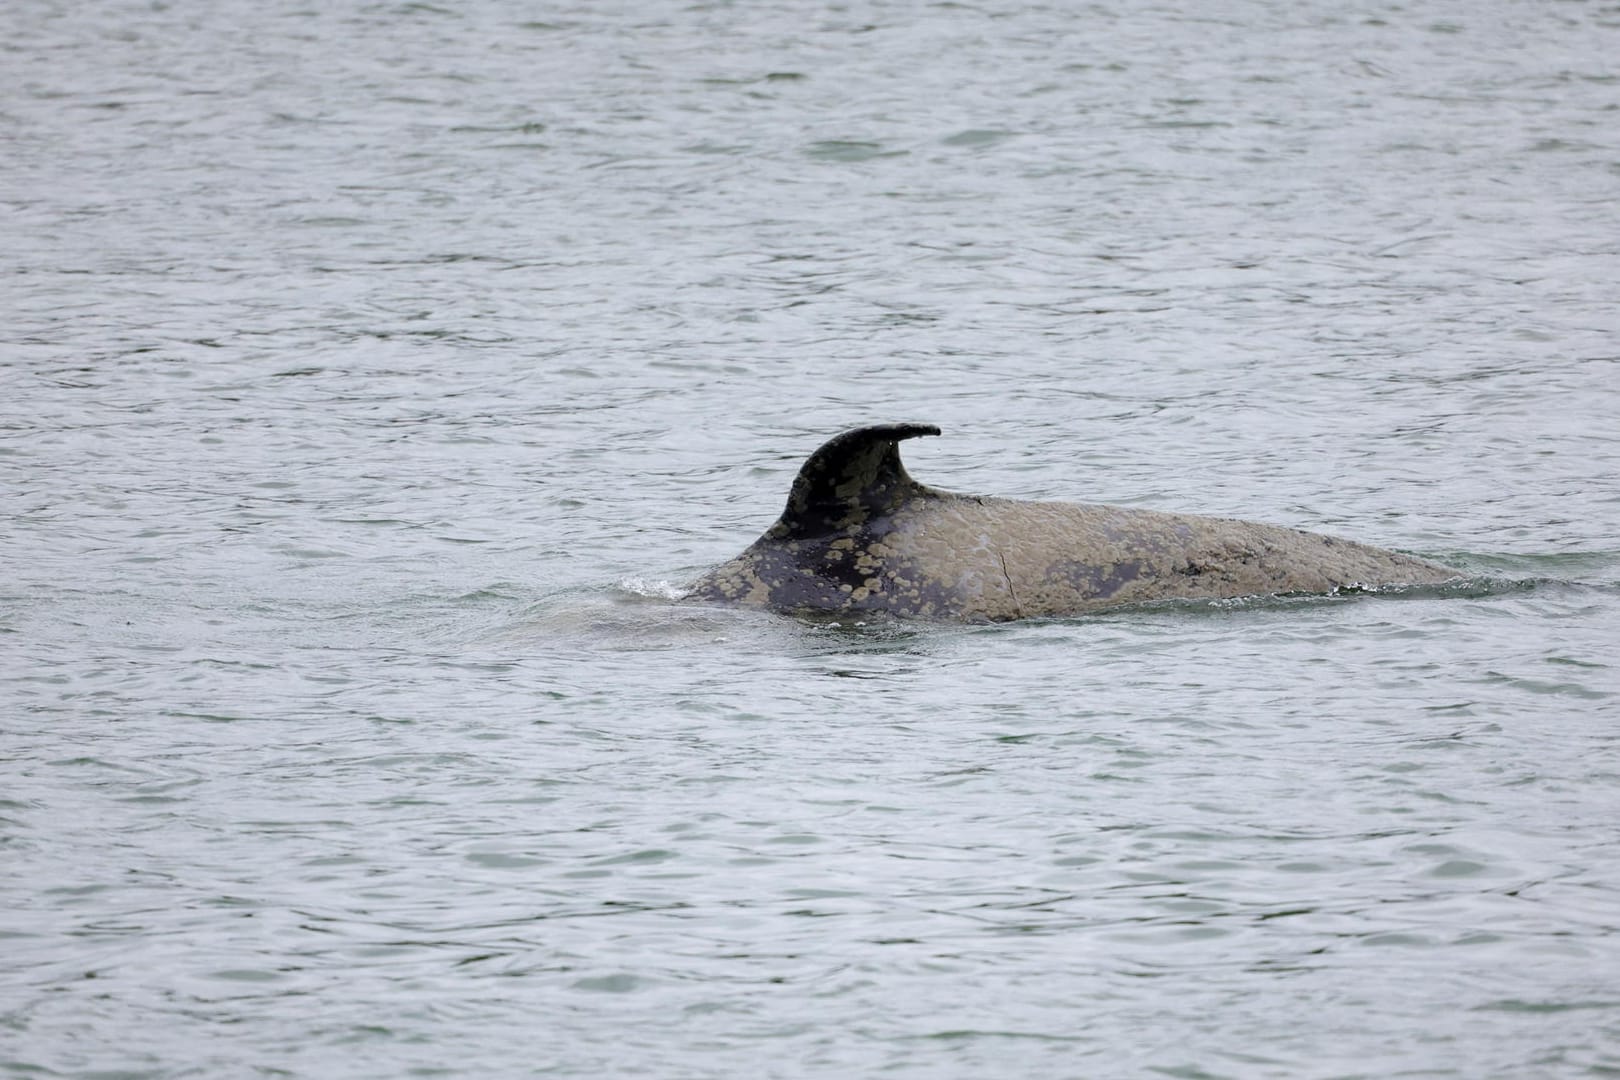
x=859, y=536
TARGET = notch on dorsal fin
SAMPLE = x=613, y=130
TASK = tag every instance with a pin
x=854, y=476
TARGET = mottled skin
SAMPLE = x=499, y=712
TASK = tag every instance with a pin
x=859, y=535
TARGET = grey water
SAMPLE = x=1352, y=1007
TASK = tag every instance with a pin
x=373, y=376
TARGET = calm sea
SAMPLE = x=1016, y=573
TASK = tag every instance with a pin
x=373, y=375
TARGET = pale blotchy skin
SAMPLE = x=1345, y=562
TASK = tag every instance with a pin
x=859, y=535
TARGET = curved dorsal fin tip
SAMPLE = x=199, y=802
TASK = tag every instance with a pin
x=904, y=430
x=849, y=448
x=874, y=434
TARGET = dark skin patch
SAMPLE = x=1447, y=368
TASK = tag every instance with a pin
x=1096, y=582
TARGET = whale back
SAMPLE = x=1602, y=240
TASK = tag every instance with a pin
x=858, y=534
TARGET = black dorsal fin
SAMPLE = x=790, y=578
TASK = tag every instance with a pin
x=853, y=477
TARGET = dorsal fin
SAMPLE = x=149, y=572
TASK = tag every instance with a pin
x=854, y=476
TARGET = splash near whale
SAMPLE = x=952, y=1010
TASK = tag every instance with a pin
x=860, y=535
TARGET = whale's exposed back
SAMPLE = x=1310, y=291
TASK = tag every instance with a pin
x=860, y=535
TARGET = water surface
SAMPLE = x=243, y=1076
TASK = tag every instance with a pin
x=373, y=376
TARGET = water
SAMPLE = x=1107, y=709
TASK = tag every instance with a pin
x=373, y=375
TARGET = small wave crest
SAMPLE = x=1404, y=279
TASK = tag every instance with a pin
x=652, y=588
